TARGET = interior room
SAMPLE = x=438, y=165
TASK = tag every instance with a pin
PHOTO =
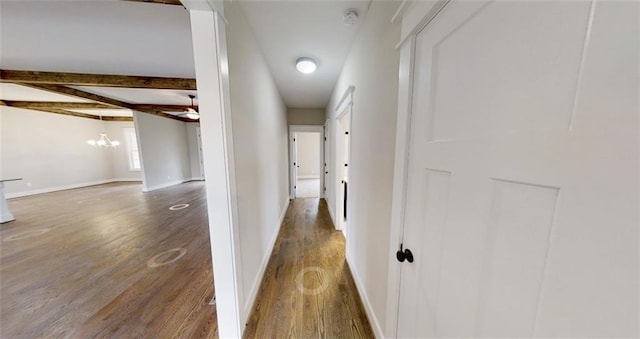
x=340, y=169
x=308, y=164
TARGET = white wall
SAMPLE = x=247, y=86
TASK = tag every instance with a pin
x=194, y=157
x=308, y=151
x=260, y=138
x=302, y=116
x=164, y=151
x=50, y=152
x=372, y=67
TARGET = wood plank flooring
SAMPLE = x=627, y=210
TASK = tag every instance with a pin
x=308, y=290
x=87, y=276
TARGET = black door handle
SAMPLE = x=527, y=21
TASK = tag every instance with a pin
x=404, y=255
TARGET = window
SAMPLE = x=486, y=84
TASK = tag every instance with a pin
x=132, y=149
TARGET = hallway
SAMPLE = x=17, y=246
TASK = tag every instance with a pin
x=308, y=290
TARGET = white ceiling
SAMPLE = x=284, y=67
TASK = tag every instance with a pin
x=13, y=92
x=143, y=95
x=132, y=38
x=106, y=37
x=287, y=30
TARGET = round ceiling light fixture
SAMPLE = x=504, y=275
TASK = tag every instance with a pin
x=306, y=65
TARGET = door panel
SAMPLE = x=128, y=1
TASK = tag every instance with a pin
x=522, y=188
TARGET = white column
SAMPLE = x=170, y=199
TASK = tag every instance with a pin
x=210, y=54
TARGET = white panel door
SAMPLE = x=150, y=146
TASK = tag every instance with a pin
x=522, y=189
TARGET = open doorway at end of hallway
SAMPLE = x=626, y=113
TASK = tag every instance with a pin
x=306, y=161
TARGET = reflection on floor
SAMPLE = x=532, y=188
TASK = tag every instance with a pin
x=308, y=188
x=308, y=290
x=107, y=261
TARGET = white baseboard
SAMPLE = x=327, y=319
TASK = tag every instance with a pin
x=63, y=188
x=375, y=324
x=197, y=179
x=126, y=180
x=250, y=300
x=164, y=185
x=308, y=177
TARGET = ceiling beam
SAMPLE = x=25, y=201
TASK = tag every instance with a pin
x=103, y=80
x=166, y=108
x=65, y=112
x=101, y=99
x=163, y=2
x=76, y=114
x=117, y=118
x=54, y=104
x=93, y=105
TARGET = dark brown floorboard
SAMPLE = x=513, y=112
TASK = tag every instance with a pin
x=320, y=302
x=88, y=276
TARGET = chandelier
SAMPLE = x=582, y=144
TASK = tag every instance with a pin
x=103, y=140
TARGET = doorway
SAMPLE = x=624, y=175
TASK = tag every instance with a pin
x=307, y=161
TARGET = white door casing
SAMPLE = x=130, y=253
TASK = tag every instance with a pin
x=200, y=160
x=293, y=163
x=293, y=154
x=522, y=174
x=344, y=110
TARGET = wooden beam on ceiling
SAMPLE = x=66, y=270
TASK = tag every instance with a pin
x=103, y=80
x=101, y=99
x=79, y=115
x=60, y=105
x=162, y=2
x=94, y=105
x=65, y=112
x=117, y=118
x=166, y=108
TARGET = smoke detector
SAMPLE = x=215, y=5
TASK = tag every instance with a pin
x=350, y=17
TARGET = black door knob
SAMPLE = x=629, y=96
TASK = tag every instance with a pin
x=404, y=255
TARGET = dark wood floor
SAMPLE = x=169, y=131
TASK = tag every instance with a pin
x=88, y=277
x=308, y=290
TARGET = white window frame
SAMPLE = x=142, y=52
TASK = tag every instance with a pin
x=132, y=146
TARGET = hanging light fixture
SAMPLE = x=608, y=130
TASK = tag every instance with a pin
x=103, y=140
x=191, y=112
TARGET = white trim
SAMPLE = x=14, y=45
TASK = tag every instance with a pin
x=263, y=266
x=342, y=108
x=400, y=11
x=164, y=185
x=348, y=94
x=403, y=127
x=331, y=214
x=309, y=129
x=375, y=324
x=422, y=23
x=126, y=180
x=211, y=64
x=197, y=179
x=63, y=188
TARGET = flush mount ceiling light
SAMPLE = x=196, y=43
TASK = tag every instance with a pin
x=191, y=113
x=103, y=140
x=306, y=65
